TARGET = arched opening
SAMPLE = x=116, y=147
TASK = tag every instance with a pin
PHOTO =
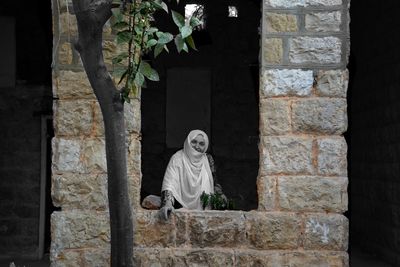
x=221, y=80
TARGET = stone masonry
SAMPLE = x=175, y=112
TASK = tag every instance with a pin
x=302, y=182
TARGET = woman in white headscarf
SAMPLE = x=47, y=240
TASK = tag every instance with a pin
x=189, y=173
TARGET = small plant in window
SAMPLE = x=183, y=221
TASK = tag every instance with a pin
x=195, y=11
x=232, y=12
x=216, y=202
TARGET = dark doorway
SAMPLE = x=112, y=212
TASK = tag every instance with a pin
x=228, y=49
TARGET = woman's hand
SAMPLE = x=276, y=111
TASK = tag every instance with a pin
x=165, y=211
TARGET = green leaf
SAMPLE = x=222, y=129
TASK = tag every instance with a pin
x=125, y=95
x=117, y=14
x=185, y=47
x=139, y=79
x=178, y=19
x=148, y=71
x=119, y=58
x=138, y=29
x=160, y=5
x=120, y=25
x=189, y=40
x=124, y=37
x=123, y=76
x=158, y=49
x=185, y=31
x=179, y=43
x=194, y=22
x=152, y=30
x=151, y=42
x=164, y=37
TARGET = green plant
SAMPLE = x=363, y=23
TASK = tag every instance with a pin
x=134, y=30
x=216, y=201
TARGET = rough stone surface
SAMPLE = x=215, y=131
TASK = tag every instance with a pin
x=73, y=117
x=273, y=50
x=286, y=155
x=287, y=82
x=65, y=53
x=80, y=191
x=317, y=50
x=93, y=155
x=311, y=193
x=273, y=231
x=68, y=25
x=274, y=117
x=332, y=83
x=66, y=156
x=326, y=232
x=151, y=202
x=70, y=84
x=266, y=189
x=323, y=21
x=332, y=156
x=277, y=22
x=301, y=3
x=320, y=115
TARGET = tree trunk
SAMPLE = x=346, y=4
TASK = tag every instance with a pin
x=91, y=16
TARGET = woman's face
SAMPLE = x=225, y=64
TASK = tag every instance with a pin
x=199, y=143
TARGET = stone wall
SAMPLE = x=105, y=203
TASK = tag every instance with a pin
x=375, y=120
x=302, y=182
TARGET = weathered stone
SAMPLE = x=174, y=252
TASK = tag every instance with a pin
x=273, y=50
x=69, y=84
x=80, y=191
x=134, y=160
x=68, y=25
x=320, y=115
x=273, y=230
x=79, y=229
x=332, y=83
x=96, y=257
x=332, y=158
x=287, y=82
x=216, y=228
x=66, y=258
x=310, y=193
x=301, y=3
x=286, y=155
x=73, y=118
x=323, y=21
x=326, y=232
x=317, y=50
x=65, y=53
x=109, y=51
x=93, y=155
x=277, y=22
x=274, y=116
x=252, y=258
x=66, y=155
x=266, y=189
x=151, y=202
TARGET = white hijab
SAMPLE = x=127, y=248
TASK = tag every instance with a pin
x=188, y=174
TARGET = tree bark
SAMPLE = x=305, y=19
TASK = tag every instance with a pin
x=91, y=16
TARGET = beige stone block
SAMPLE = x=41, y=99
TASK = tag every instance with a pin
x=266, y=190
x=96, y=257
x=301, y=3
x=332, y=83
x=65, y=258
x=317, y=50
x=68, y=25
x=66, y=155
x=65, y=53
x=134, y=155
x=286, y=82
x=323, y=21
x=278, y=22
x=216, y=229
x=93, y=155
x=286, y=155
x=273, y=230
x=312, y=193
x=73, y=118
x=273, y=50
x=109, y=51
x=274, y=117
x=80, y=191
x=332, y=156
x=326, y=232
x=70, y=84
x=320, y=116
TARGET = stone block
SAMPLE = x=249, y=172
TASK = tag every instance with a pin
x=66, y=258
x=320, y=115
x=312, y=193
x=332, y=83
x=286, y=155
x=287, y=82
x=274, y=116
x=68, y=25
x=301, y=3
x=109, y=51
x=266, y=190
x=216, y=229
x=273, y=230
x=66, y=155
x=73, y=118
x=93, y=155
x=326, y=232
x=96, y=257
x=278, y=22
x=70, y=84
x=65, y=53
x=134, y=155
x=323, y=21
x=80, y=191
x=273, y=50
x=332, y=156
x=317, y=50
